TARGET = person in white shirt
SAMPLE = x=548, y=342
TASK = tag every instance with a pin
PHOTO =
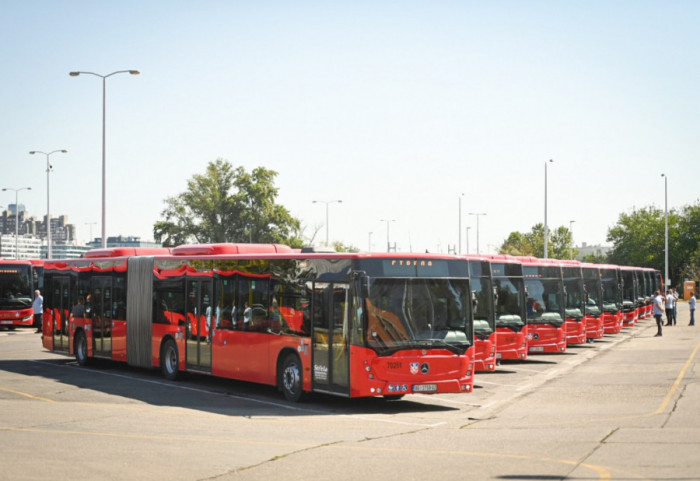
x=691, y=305
x=38, y=306
x=659, y=305
x=669, y=307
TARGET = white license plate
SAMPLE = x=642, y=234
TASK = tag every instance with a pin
x=5, y=322
x=537, y=349
x=499, y=355
x=425, y=388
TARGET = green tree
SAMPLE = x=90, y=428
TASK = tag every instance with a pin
x=532, y=243
x=227, y=204
x=638, y=240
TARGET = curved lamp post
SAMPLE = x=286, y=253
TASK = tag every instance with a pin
x=48, y=204
x=326, y=202
x=477, y=214
x=104, y=104
x=16, y=217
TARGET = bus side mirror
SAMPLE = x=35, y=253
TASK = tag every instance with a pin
x=364, y=286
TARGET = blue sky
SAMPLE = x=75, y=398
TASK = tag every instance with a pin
x=396, y=107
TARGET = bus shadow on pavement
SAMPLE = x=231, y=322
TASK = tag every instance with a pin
x=195, y=391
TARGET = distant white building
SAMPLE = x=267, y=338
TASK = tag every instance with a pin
x=586, y=250
x=28, y=246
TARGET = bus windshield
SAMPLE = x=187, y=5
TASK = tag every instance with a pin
x=483, y=306
x=15, y=286
x=574, y=299
x=544, y=302
x=417, y=314
x=509, y=305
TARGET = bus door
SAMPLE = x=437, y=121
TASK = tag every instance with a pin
x=331, y=338
x=61, y=302
x=100, y=309
x=198, y=312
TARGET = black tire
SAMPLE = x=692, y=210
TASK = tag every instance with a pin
x=392, y=397
x=80, y=348
x=291, y=378
x=169, y=360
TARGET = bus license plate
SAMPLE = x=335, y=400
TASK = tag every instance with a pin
x=5, y=322
x=499, y=355
x=425, y=388
x=537, y=349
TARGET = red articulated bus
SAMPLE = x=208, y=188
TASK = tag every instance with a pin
x=611, y=283
x=545, y=305
x=593, y=318
x=18, y=281
x=346, y=324
x=511, y=326
x=485, y=343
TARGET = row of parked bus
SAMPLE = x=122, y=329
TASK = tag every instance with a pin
x=348, y=324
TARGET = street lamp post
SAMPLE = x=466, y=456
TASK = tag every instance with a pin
x=90, y=224
x=48, y=205
x=104, y=161
x=477, y=214
x=326, y=202
x=546, y=229
x=467, y=234
x=16, y=216
x=459, y=241
x=668, y=282
x=571, y=234
x=369, y=247
x=388, y=221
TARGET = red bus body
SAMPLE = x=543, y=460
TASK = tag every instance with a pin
x=546, y=315
x=18, y=281
x=631, y=292
x=345, y=324
x=511, y=327
x=576, y=319
x=610, y=281
x=593, y=318
x=485, y=340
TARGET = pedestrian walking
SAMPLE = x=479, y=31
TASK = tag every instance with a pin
x=675, y=305
x=669, y=307
x=691, y=305
x=659, y=304
x=38, y=306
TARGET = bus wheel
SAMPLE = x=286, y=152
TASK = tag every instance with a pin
x=169, y=360
x=80, y=348
x=292, y=378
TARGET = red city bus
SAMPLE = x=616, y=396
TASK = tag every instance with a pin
x=18, y=281
x=484, y=355
x=511, y=327
x=594, y=302
x=546, y=316
x=630, y=296
x=648, y=291
x=574, y=293
x=346, y=324
x=611, y=283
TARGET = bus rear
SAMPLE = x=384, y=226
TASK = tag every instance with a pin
x=18, y=281
x=511, y=327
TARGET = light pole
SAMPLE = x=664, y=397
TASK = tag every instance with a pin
x=459, y=241
x=468, y=240
x=668, y=282
x=546, y=230
x=104, y=160
x=571, y=234
x=477, y=214
x=16, y=217
x=369, y=247
x=90, y=224
x=326, y=202
x=388, y=221
x=48, y=205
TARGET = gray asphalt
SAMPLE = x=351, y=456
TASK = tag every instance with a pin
x=627, y=407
